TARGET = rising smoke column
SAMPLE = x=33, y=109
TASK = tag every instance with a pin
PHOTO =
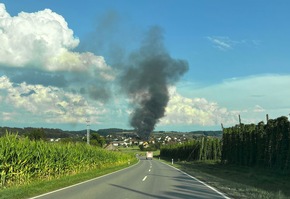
x=150, y=71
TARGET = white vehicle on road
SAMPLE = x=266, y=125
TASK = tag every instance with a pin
x=149, y=155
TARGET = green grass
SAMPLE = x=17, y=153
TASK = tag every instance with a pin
x=136, y=150
x=239, y=182
x=130, y=149
x=234, y=181
x=43, y=186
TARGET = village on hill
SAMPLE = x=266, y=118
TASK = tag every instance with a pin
x=109, y=138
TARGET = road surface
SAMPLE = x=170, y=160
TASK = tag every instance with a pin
x=147, y=179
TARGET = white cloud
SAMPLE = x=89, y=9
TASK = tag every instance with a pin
x=46, y=104
x=196, y=111
x=43, y=40
x=5, y=83
x=32, y=37
x=222, y=43
x=258, y=109
x=226, y=43
x=6, y=116
x=3, y=13
x=252, y=97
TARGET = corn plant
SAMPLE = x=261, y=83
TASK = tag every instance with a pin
x=23, y=160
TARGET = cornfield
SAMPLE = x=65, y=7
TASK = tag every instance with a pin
x=23, y=160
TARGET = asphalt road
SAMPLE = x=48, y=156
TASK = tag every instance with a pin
x=147, y=179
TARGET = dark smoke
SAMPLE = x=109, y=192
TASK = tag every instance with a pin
x=151, y=70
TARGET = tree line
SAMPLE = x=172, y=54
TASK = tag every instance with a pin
x=255, y=145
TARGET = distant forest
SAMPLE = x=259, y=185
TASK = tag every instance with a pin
x=48, y=132
x=58, y=133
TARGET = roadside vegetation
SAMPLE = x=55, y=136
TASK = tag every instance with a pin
x=261, y=145
x=238, y=181
x=40, y=186
x=204, y=148
x=250, y=161
x=24, y=161
x=241, y=182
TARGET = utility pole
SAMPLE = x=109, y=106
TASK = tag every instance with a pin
x=222, y=126
x=88, y=131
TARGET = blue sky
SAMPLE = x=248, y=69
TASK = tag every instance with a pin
x=58, y=56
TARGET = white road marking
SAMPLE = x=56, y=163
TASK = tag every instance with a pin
x=144, y=178
x=208, y=186
x=149, y=170
x=74, y=185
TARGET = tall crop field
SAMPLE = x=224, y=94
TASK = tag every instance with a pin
x=23, y=160
x=205, y=148
x=258, y=145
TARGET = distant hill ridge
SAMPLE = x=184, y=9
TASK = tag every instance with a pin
x=59, y=133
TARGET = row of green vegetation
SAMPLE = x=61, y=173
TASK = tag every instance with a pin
x=261, y=145
x=204, y=148
x=250, y=161
x=23, y=160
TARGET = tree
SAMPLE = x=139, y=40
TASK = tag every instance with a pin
x=36, y=134
x=97, y=140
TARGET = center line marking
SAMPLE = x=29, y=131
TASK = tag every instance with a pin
x=149, y=170
x=144, y=178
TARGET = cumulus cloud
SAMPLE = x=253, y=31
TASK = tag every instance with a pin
x=42, y=39
x=196, y=111
x=44, y=79
x=39, y=47
x=49, y=104
x=252, y=97
x=34, y=39
x=6, y=116
x=5, y=83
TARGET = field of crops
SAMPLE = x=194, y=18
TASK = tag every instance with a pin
x=262, y=145
x=23, y=160
x=205, y=148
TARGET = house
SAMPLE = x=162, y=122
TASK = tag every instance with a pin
x=119, y=143
x=110, y=147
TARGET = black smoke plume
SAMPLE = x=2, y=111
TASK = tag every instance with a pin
x=150, y=71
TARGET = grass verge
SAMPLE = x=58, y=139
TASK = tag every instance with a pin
x=136, y=150
x=239, y=182
x=43, y=186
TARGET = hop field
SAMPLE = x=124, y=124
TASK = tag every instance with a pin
x=23, y=160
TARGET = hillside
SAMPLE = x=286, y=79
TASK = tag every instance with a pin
x=59, y=133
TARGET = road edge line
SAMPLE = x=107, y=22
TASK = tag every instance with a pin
x=82, y=182
x=208, y=186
